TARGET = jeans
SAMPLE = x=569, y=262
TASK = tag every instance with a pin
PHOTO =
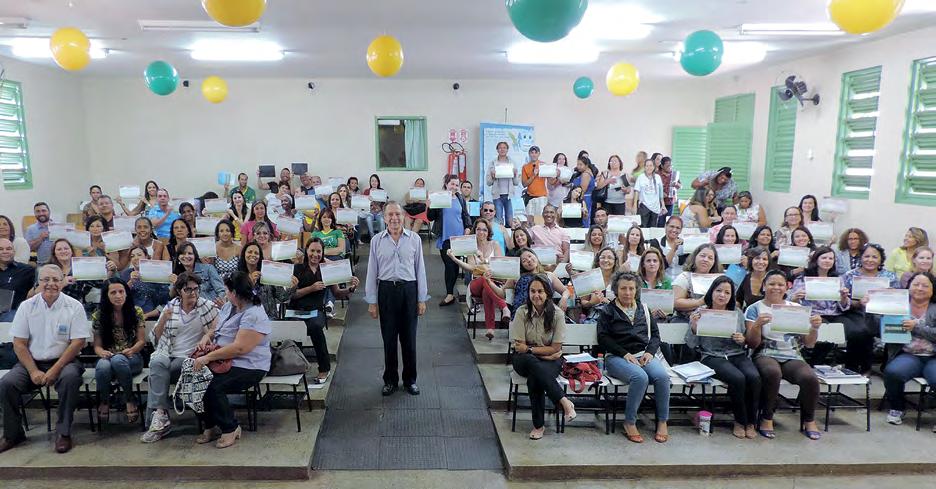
x=541, y=382
x=122, y=368
x=795, y=372
x=315, y=329
x=647, y=217
x=8, y=316
x=661, y=220
x=903, y=368
x=744, y=385
x=218, y=411
x=162, y=371
x=375, y=223
x=503, y=209
x=638, y=378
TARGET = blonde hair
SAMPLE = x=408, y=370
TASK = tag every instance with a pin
x=919, y=235
x=919, y=250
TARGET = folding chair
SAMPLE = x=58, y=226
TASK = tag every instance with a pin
x=835, y=333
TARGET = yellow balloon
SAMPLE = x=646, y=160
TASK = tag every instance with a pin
x=70, y=48
x=385, y=56
x=214, y=89
x=863, y=16
x=622, y=79
x=234, y=13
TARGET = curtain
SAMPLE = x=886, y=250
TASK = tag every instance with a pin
x=415, y=139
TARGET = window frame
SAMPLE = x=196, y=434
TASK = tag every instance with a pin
x=839, y=168
x=771, y=164
x=26, y=182
x=425, y=130
x=903, y=192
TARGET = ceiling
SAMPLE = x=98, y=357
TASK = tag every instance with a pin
x=444, y=39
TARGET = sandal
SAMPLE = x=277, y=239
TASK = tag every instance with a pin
x=812, y=435
x=661, y=438
x=769, y=434
x=634, y=438
x=738, y=431
x=537, y=434
x=489, y=335
x=103, y=412
x=750, y=432
x=133, y=416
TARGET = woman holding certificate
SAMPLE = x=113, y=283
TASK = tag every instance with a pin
x=917, y=358
x=146, y=295
x=476, y=264
x=763, y=236
x=146, y=238
x=716, y=331
x=447, y=222
x=629, y=336
x=530, y=267
x=227, y=252
x=729, y=214
x=332, y=238
x=810, y=209
x=62, y=254
x=899, y=260
x=618, y=186
x=258, y=213
x=415, y=206
x=671, y=245
x=751, y=288
x=860, y=334
x=584, y=179
x=651, y=271
x=212, y=288
x=607, y=261
x=632, y=248
x=271, y=296
x=179, y=233
x=146, y=202
x=777, y=352
x=238, y=212
x=701, y=262
x=819, y=287
x=116, y=259
x=922, y=263
x=374, y=217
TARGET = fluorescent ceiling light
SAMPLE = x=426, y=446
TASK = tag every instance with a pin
x=779, y=29
x=553, y=53
x=193, y=26
x=14, y=22
x=744, y=53
x=918, y=6
x=214, y=50
x=38, y=47
x=615, y=22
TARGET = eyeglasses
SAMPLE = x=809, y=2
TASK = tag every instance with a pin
x=54, y=280
x=488, y=210
x=190, y=290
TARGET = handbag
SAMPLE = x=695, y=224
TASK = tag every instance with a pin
x=216, y=366
x=600, y=194
x=287, y=359
x=190, y=388
x=414, y=208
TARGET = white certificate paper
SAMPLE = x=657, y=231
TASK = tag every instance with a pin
x=572, y=210
x=587, y=282
x=576, y=234
x=129, y=191
x=890, y=302
x=206, y=225
x=347, y=216
x=335, y=272
x=284, y=250
x=744, y=229
x=505, y=267
x=275, y=273
x=581, y=260
x=693, y=241
x=794, y=256
x=653, y=233
x=700, y=282
x=127, y=224
x=545, y=254
x=288, y=225
x=60, y=231
x=216, y=206
x=117, y=240
x=417, y=193
x=728, y=254
x=661, y=299
x=306, y=202
x=821, y=231
x=205, y=246
x=360, y=202
x=823, y=288
x=633, y=262
x=78, y=239
x=861, y=285
x=833, y=206
x=155, y=271
x=379, y=196
x=440, y=200
x=548, y=170
x=323, y=191
x=719, y=324
x=464, y=245
x=336, y=181
x=503, y=171
x=621, y=224
x=89, y=268
x=565, y=174
x=790, y=319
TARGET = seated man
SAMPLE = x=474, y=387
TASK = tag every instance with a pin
x=48, y=332
x=550, y=234
x=15, y=277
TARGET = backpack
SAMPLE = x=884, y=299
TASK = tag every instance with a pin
x=586, y=373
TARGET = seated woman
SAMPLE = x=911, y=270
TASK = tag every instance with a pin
x=803, y=238
x=606, y=260
x=179, y=233
x=859, y=335
x=116, y=260
x=185, y=323
x=62, y=253
x=238, y=212
x=145, y=238
x=258, y=214
x=763, y=236
x=899, y=260
x=119, y=336
x=594, y=240
x=331, y=237
x=728, y=235
x=576, y=196
x=810, y=209
x=227, y=251
x=536, y=334
x=20, y=245
x=758, y=262
x=187, y=260
x=777, y=356
x=187, y=214
x=309, y=296
x=244, y=337
x=416, y=214
x=701, y=212
x=271, y=296
x=520, y=238
x=477, y=266
x=729, y=215
x=671, y=247
x=631, y=249
x=530, y=266
x=653, y=276
x=922, y=263
x=728, y=358
x=915, y=359
x=146, y=295
x=703, y=260
x=630, y=338
x=848, y=256
x=792, y=219
x=748, y=211
x=822, y=265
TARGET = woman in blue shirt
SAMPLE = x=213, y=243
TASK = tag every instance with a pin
x=583, y=178
x=448, y=222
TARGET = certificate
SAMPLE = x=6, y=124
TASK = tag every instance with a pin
x=548, y=170
x=718, y=324
x=89, y=268
x=205, y=246
x=225, y=178
x=127, y=224
x=361, y=202
x=60, y=231
x=572, y=210
x=503, y=171
x=892, y=302
x=306, y=202
x=440, y=200
x=821, y=231
x=565, y=174
x=206, y=225
x=790, y=319
x=288, y=225
x=284, y=250
x=823, y=288
x=505, y=267
x=622, y=224
x=117, y=240
x=464, y=245
x=633, y=261
x=744, y=229
x=581, y=260
x=78, y=239
x=861, y=285
x=653, y=233
x=545, y=254
x=336, y=181
x=655, y=299
x=323, y=191
x=693, y=241
x=418, y=193
x=700, y=282
x=474, y=209
x=576, y=234
x=275, y=273
x=379, y=195
x=216, y=206
x=892, y=330
x=728, y=254
x=129, y=191
x=587, y=282
x=175, y=203
x=347, y=216
x=830, y=205
x=794, y=256
x=155, y=271
x=335, y=272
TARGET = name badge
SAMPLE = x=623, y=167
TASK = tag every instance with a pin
x=63, y=330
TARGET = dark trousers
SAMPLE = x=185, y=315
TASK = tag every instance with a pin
x=218, y=412
x=647, y=217
x=315, y=328
x=860, y=330
x=744, y=385
x=451, y=268
x=615, y=209
x=795, y=372
x=397, y=307
x=661, y=220
x=17, y=382
x=541, y=382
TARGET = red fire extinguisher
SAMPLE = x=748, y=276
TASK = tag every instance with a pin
x=457, y=159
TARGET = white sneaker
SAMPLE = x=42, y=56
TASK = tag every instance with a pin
x=895, y=417
x=159, y=427
x=330, y=310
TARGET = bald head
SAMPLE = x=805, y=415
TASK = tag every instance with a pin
x=6, y=252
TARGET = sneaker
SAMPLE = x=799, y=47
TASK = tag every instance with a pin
x=330, y=309
x=895, y=417
x=159, y=427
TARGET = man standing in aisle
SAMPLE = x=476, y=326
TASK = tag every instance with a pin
x=396, y=291
x=534, y=184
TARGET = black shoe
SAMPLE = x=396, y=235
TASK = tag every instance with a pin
x=388, y=389
x=443, y=303
x=413, y=389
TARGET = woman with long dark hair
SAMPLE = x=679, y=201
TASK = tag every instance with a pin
x=258, y=213
x=187, y=260
x=446, y=223
x=146, y=238
x=374, y=217
x=238, y=212
x=227, y=252
x=271, y=296
x=180, y=232
x=119, y=336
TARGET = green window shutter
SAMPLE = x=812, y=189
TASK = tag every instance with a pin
x=729, y=144
x=781, y=132
x=916, y=181
x=689, y=152
x=14, y=152
x=854, y=147
x=735, y=108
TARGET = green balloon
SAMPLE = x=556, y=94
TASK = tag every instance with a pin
x=583, y=87
x=702, y=53
x=161, y=78
x=546, y=20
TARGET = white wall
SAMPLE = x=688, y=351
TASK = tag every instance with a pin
x=816, y=129
x=56, y=137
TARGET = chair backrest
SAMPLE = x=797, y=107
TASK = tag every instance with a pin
x=673, y=333
x=28, y=220
x=832, y=333
x=580, y=334
x=5, y=336
x=289, y=330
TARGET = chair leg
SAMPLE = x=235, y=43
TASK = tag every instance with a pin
x=100, y=427
x=305, y=383
x=921, y=406
x=297, y=402
x=868, y=404
x=514, y=393
x=828, y=407
x=47, y=404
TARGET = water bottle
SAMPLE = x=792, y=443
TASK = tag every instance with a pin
x=601, y=362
